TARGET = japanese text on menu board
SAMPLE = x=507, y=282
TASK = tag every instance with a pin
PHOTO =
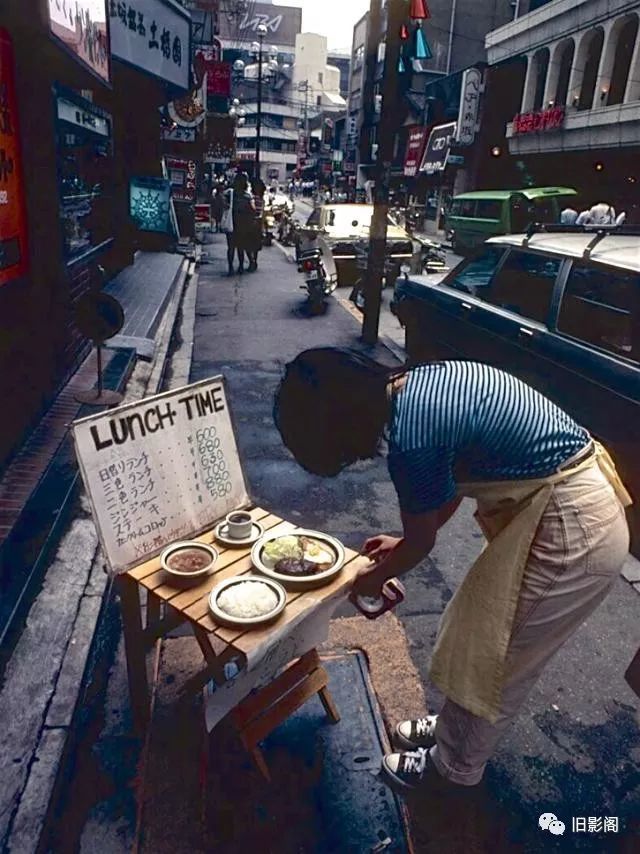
x=160, y=470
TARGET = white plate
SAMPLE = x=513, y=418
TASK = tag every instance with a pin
x=300, y=582
x=256, y=532
x=225, y=619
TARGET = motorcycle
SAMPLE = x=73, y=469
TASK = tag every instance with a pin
x=287, y=230
x=315, y=260
x=433, y=257
x=269, y=227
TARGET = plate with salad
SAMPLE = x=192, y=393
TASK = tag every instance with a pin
x=299, y=559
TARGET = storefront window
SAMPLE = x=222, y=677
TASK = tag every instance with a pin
x=85, y=169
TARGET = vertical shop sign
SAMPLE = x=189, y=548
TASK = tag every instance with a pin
x=182, y=175
x=415, y=148
x=13, y=219
x=469, y=106
x=81, y=27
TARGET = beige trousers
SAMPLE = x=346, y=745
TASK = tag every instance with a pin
x=577, y=554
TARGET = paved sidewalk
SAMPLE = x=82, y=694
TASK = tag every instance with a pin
x=53, y=580
x=144, y=290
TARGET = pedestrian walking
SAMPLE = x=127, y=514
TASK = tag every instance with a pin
x=549, y=502
x=217, y=207
x=259, y=189
x=242, y=221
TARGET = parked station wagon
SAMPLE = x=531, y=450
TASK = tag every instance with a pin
x=559, y=308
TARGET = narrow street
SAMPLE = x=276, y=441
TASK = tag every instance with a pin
x=200, y=652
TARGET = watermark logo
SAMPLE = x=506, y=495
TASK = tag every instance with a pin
x=579, y=824
x=549, y=821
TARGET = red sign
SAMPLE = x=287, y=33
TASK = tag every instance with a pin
x=207, y=61
x=13, y=215
x=415, y=148
x=219, y=79
x=545, y=120
x=203, y=213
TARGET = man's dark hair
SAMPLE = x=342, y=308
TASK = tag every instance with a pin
x=331, y=408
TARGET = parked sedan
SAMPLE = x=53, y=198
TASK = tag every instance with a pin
x=343, y=226
x=559, y=309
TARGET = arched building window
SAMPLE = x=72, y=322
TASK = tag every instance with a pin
x=592, y=63
x=565, y=62
x=541, y=60
x=622, y=63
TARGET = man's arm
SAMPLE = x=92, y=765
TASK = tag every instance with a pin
x=420, y=531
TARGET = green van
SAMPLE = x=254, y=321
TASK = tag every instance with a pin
x=474, y=217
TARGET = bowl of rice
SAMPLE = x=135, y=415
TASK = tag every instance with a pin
x=247, y=600
x=188, y=560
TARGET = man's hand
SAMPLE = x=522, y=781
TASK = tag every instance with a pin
x=369, y=582
x=379, y=548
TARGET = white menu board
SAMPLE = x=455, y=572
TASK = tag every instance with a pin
x=159, y=470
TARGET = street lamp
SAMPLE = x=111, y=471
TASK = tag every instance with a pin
x=261, y=31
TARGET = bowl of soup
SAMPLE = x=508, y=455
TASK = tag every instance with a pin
x=188, y=560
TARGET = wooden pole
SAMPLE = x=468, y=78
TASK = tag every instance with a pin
x=388, y=127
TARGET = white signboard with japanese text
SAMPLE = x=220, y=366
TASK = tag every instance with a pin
x=159, y=470
x=153, y=35
x=470, y=92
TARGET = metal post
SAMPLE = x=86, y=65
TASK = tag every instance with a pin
x=99, y=359
x=259, y=116
x=390, y=120
x=452, y=26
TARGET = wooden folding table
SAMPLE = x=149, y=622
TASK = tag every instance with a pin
x=169, y=605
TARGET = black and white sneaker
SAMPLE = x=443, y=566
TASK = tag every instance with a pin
x=407, y=770
x=419, y=733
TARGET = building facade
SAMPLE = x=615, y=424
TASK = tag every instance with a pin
x=579, y=105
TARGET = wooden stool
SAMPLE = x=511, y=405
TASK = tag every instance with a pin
x=262, y=712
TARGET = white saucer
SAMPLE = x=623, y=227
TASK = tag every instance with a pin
x=256, y=532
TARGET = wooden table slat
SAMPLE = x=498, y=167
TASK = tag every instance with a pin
x=248, y=639
x=200, y=604
x=152, y=565
x=163, y=586
x=200, y=611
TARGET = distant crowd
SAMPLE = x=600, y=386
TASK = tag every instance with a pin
x=600, y=213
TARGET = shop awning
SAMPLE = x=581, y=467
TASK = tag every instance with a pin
x=436, y=153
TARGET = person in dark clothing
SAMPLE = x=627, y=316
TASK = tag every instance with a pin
x=217, y=207
x=240, y=200
x=259, y=189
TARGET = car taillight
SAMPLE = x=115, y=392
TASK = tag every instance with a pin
x=309, y=265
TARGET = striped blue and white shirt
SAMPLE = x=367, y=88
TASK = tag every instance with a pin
x=456, y=421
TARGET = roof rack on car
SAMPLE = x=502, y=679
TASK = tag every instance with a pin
x=599, y=232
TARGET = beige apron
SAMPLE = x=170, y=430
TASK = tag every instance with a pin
x=468, y=663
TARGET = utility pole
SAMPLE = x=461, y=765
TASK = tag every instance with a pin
x=389, y=125
x=304, y=86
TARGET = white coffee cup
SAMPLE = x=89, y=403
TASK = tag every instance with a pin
x=238, y=524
